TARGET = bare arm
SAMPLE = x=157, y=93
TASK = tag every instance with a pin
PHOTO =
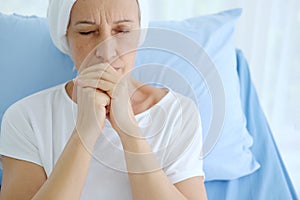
x=192, y=188
x=68, y=177
x=24, y=180
x=21, y=179
x=148, y=180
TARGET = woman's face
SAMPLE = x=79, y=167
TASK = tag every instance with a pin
x=110, y=26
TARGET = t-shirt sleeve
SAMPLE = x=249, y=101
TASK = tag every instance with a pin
x=185, y=154
x=17, y=138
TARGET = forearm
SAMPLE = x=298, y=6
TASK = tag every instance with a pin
x=147, y=179
x=68, y=176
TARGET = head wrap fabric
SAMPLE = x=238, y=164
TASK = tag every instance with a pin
x=144, y=10
x=59, y=15
x=58, y=18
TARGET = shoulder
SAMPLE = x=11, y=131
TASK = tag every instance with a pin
x=175, y=108
x=168, y=96
x=35, y=103
x=178, y=101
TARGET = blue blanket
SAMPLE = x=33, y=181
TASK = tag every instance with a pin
x=271, y=181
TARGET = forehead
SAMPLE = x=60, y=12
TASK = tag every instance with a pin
x=111, y=9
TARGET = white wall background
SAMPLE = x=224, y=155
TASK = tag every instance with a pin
x=268, y=33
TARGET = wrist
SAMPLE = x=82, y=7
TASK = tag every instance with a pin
x=131, y=135
x=87, y=139
x=139, y=155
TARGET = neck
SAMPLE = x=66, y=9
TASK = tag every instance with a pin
x=71, y=90
x=136, y=91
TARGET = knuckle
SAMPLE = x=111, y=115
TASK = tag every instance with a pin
x=102, y=100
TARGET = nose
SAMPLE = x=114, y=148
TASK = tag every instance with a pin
x=106, y=49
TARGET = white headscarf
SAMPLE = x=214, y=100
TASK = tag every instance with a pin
x=59, y=15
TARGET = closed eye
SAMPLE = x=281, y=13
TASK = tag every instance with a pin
x=86, y=33
x=124, y=32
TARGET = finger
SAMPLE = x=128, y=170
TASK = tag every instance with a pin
x=114, y=78
x=95, y=67
x=96, y=71
x=102, y=99
x=98, y=68
x=95, y=84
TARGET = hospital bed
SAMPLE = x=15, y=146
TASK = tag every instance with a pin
x=270, y=181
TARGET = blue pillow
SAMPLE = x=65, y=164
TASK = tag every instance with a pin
x=231, y=157
x=30, y=62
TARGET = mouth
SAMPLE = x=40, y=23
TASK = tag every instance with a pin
x=116, y=68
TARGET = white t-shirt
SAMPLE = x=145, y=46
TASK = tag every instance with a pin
x=37, y=128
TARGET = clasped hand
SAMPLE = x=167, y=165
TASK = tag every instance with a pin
x=103, y=93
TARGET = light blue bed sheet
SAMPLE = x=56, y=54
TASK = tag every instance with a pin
x=271, y=181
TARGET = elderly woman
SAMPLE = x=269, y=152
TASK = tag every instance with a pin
x=48, y=155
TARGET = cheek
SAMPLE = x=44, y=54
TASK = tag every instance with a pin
x=77, y=56
x=79, y=51
x=129, y=60
x=127, y=43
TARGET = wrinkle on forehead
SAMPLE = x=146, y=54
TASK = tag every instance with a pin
x=108, y=11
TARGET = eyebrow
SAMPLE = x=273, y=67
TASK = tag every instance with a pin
x=84, y=22
x=124, y=20
x=92, y=23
